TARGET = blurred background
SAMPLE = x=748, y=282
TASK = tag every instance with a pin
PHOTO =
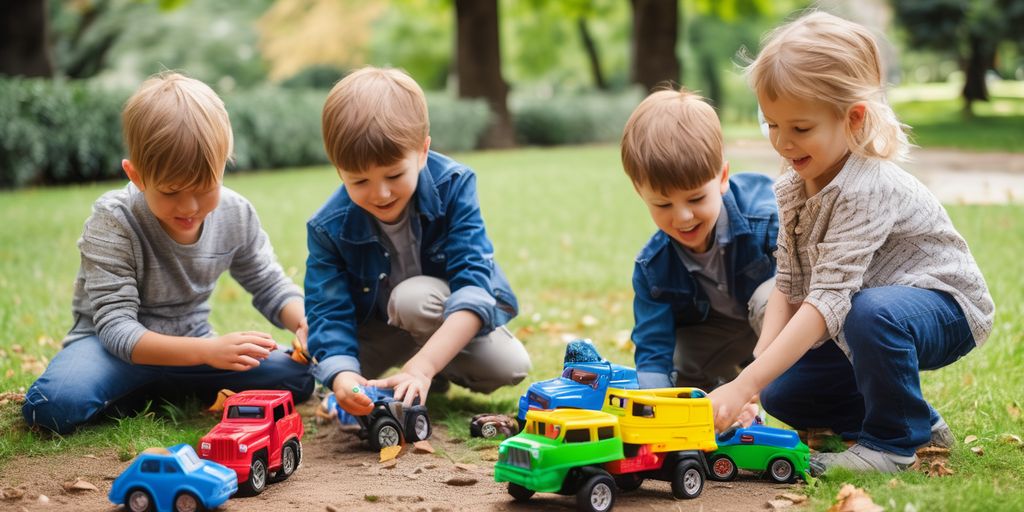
x=498, y=73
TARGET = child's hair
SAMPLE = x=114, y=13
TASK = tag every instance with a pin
x=824, y=57
x=672, y=141
x=177, y=132
x=374, y=116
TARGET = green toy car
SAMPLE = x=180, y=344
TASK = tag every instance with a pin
x=775, y=451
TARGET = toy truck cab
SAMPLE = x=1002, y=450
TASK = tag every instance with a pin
x=562, y=451
x=259, y=437
x=172, y=479
x=585, y=379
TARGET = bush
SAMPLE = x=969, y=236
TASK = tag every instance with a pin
x=573, y=119
x=456, y=125
x=276, y=127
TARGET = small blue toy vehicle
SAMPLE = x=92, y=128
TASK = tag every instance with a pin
x=390, y=423
x=174, y=478
x=777, y=452
x=584, y=383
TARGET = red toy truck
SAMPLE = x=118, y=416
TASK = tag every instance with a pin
x=259, y=436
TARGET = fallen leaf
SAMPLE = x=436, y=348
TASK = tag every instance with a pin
x=389, y=452
x=795, y=498
x=422, y=447
x=938, y=469
x=460, y=481
x=970, y=439
x=331, y=508
x=588, y=321
x=1011, y=439
x=854, y=499
x=79, y=485
x=17, y=349
x=411, y=476
x=978, y=450
x=894, y=483
x=466, y=467
x=12, y=493
x=218, y=404
x=1013, y=408
x=933, y=451
x=779, y=504
x=389, y=464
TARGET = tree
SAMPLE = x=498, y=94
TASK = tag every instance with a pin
x=653, y=52
x=24, y=45
x=969, y=29
x=478, y=66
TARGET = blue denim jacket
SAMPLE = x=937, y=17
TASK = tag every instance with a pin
x=347, y=262
x=667, y=296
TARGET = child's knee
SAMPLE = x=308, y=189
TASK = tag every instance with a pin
x=417, y=304
x=39, y=411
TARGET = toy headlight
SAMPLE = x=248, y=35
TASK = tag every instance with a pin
x=205, y=446
x=242, y=448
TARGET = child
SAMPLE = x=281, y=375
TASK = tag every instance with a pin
x=151, y=255
x=702, y=281
x=400, y=269
x=872, y=275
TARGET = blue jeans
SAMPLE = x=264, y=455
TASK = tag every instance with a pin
x=893, y=332
x=84, y=380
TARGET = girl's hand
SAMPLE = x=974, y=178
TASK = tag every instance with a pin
x=349, y=394
x=729, y=401
x=238, y=351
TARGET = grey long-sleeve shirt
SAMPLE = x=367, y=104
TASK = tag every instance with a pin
x=133, y=277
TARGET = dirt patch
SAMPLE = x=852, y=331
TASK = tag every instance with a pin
x=339, y=473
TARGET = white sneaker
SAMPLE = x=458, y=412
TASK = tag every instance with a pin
x=860, y=458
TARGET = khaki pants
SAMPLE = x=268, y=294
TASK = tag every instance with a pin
x=415, y=312
x=713, y=352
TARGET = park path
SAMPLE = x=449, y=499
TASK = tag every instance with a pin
x=954, y=176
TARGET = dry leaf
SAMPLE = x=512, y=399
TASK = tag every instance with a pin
x=779, y=504
x=389, y=452
x=933, y=451
x=795, y=498
x=466, y=467
x=854, y=499
x=389, y=464
x=460, y=481
x=79, y=485
x=218, y=404
x=12, y=493
x=1011, y=439
x=1013, y=408
x=970, y=439
x=938, y=469
x=422, y=447
x=978, y=450
x=894, y=483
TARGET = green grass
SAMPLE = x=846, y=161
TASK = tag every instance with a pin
x=935, y=114
x=566, y=225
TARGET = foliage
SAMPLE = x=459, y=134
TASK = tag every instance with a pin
x=573, y=118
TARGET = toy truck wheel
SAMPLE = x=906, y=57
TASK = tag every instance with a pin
x=628, y=482
x=187, y=502
x=597, y=494
x=687, y=480
x=781, y=471
x=488, y=430
x=519, y=493
x=419, y=427
x=289, y=460
x=257, y=480
x=385, y=432
x=138, y=500
x=723, y=468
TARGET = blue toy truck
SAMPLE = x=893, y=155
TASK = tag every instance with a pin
x=585, y=379
x=174, y=478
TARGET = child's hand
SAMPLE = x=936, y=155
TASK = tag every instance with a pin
x=347, y=391
x=238, y=351
x=731, y=403
x=410, y=383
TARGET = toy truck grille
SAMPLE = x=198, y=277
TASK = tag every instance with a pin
x=518, y=457
x=223, y=449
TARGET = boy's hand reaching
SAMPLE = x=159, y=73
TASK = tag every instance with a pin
x=349, y=395
x=732, y=404
x=238, y=351
x=408, y=384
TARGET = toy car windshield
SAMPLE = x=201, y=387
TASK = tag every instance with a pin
x=581, y=376
x=581, y=351
x=246, y=412
x=189, y=460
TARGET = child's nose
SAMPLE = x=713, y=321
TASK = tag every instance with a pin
x=188, y=204
x=684, y=215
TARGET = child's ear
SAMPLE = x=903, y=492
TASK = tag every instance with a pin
x=856, y=115
x=423, y=154
x=725, y=177
x=132, y=173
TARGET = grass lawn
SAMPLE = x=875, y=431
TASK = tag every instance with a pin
x=566, y=225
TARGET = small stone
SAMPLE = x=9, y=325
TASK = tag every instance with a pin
x=460, y=481
x=331, y=508
x=389, y=464
x=12, y=493
x=795, y=498
x=43, y=500
x=412, y=476
x=465, y=467
x=422, y=447
x=779, y=504
x=79, y=485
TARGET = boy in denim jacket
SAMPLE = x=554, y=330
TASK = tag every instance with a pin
x=151, y=255
x=400, y=269
x=702, y=281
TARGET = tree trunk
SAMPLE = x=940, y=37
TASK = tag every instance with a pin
x=478, y=65
x=655, y=30
x=592, y=55
x=24, y=44
x=979, y=61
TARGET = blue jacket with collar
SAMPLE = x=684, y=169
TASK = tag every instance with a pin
x=667, y=296
x=347, y=262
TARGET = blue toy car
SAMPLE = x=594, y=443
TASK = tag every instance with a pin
x=585, y=379
x=175, y=479
x=777, y=452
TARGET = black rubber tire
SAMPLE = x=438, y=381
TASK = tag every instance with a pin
x=292, y=449
x=258, y=476
x=723, y=469
x=781, y=471
x=687, y=480
x=597, y=494
x=141, y=499
x=520, y=493
x=385, y=432
x=629, y=482
x=187, y=502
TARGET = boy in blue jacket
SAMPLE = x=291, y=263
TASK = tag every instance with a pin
x=702, y=281
x=400, y=269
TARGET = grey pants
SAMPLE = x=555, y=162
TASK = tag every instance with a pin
x=713, y=352
x=415, y=312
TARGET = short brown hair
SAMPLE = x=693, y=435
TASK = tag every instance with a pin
x=673, y=141
x=374, y=116
x=177, y=132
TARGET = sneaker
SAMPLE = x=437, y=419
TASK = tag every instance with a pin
x=860, y=458
x=942, y=436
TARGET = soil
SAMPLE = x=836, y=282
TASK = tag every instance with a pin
x=339, y=473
